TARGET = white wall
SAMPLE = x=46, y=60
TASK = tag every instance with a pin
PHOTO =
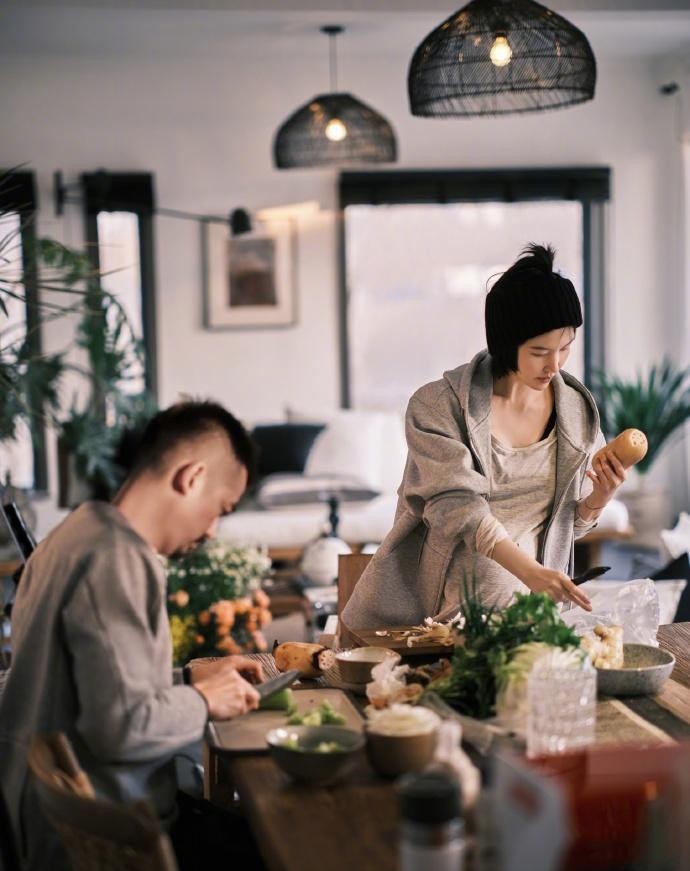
x=204, y=127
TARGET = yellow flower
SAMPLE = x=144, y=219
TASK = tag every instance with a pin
x=183, y=636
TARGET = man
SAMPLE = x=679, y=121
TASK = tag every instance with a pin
x=91, y=640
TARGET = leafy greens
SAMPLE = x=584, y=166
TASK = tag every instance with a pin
x=490, y=639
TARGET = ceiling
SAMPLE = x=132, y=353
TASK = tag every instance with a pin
x=204, y=28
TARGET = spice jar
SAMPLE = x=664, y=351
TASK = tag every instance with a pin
x=432, y=830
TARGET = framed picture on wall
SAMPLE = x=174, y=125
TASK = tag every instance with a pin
x=249, y=278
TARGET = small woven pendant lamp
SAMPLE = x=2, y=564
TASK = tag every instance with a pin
x=333, y=129
x=494, y=57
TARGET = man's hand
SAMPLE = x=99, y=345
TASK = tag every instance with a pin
x=226, y=692
x=248, y=668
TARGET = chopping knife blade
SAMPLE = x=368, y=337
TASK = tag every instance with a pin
x=275, y=684
x=590, y=574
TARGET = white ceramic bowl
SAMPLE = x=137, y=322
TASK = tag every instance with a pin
x=355, y=665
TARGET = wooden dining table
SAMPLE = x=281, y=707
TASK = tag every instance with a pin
x=353, y=824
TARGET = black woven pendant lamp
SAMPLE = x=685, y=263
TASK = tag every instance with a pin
x=333, y=129
x=494, y=57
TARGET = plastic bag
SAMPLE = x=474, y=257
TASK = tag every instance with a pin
x=633, y=605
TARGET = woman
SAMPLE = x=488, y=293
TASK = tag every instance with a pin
x=498, y=481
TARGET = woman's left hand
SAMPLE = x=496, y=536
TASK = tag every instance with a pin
x=607, y=474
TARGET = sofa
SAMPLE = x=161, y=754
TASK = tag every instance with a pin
x=357, y=455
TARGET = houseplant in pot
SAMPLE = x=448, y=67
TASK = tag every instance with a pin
x=91, y=432
x=658, y=403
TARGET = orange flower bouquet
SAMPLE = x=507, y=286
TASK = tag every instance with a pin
x=215, y=601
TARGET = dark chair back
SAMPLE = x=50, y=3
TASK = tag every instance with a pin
x=97, y=835
x=20, y=532
x=9, y=854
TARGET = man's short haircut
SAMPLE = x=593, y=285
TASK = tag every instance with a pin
x=182, y=422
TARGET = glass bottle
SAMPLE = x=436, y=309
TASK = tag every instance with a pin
x=432, y=830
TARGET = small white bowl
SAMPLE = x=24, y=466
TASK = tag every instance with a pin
x=355, y=665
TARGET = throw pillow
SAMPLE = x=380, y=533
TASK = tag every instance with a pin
x=284, y=447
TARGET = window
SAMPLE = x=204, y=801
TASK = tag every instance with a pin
x=23, y=457
x=418, y=249
x=118, y=210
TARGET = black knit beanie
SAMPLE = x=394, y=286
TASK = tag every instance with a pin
x=529, y=299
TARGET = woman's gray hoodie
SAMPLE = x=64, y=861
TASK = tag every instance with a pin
x=446, y=487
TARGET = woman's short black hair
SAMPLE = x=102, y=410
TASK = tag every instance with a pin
x=504, y=360
x=527, y=300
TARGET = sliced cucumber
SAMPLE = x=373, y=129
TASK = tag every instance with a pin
x=283, y=700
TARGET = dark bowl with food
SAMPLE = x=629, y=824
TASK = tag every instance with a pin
x=315, y=754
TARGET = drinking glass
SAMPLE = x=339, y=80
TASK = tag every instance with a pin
x=561, y=708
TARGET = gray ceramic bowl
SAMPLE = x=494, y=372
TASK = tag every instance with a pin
x=645, y=669
x=305, y=762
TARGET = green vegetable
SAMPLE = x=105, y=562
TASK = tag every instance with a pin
x=329, y=715
x=328, y=747
x=324, y=715
x=321, y=747
x=490, y=639
x=283, y=700
x=313, y=718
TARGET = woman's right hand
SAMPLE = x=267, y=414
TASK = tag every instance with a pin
x=556, y=585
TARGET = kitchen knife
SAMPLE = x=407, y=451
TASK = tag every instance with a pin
x=590, y=574
x=275, y=684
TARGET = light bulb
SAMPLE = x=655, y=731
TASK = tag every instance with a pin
x=336, y=131
x=501, y=52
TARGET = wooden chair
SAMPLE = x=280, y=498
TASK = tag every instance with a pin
x=350, y=569
x=97, y=835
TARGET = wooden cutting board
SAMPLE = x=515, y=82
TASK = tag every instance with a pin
x=369, y=638
x=247, y=734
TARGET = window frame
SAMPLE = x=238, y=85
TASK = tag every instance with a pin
x=19, y=195
x=591, y=186
x=128, y=192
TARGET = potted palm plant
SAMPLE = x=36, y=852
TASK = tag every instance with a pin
x=91, y=432
x=658, y=403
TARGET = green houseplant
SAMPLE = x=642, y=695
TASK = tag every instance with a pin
x=29, y=379
x=31, y=383
x=658, y=403
x=90, y=433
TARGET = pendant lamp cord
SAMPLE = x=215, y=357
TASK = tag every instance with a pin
x=333, y=62
x=332, y=30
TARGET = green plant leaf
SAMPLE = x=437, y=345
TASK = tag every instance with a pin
x=657, y=403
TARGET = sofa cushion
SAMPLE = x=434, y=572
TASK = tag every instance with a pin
x=284, y=447
x=286, y=491
x=368, y=444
